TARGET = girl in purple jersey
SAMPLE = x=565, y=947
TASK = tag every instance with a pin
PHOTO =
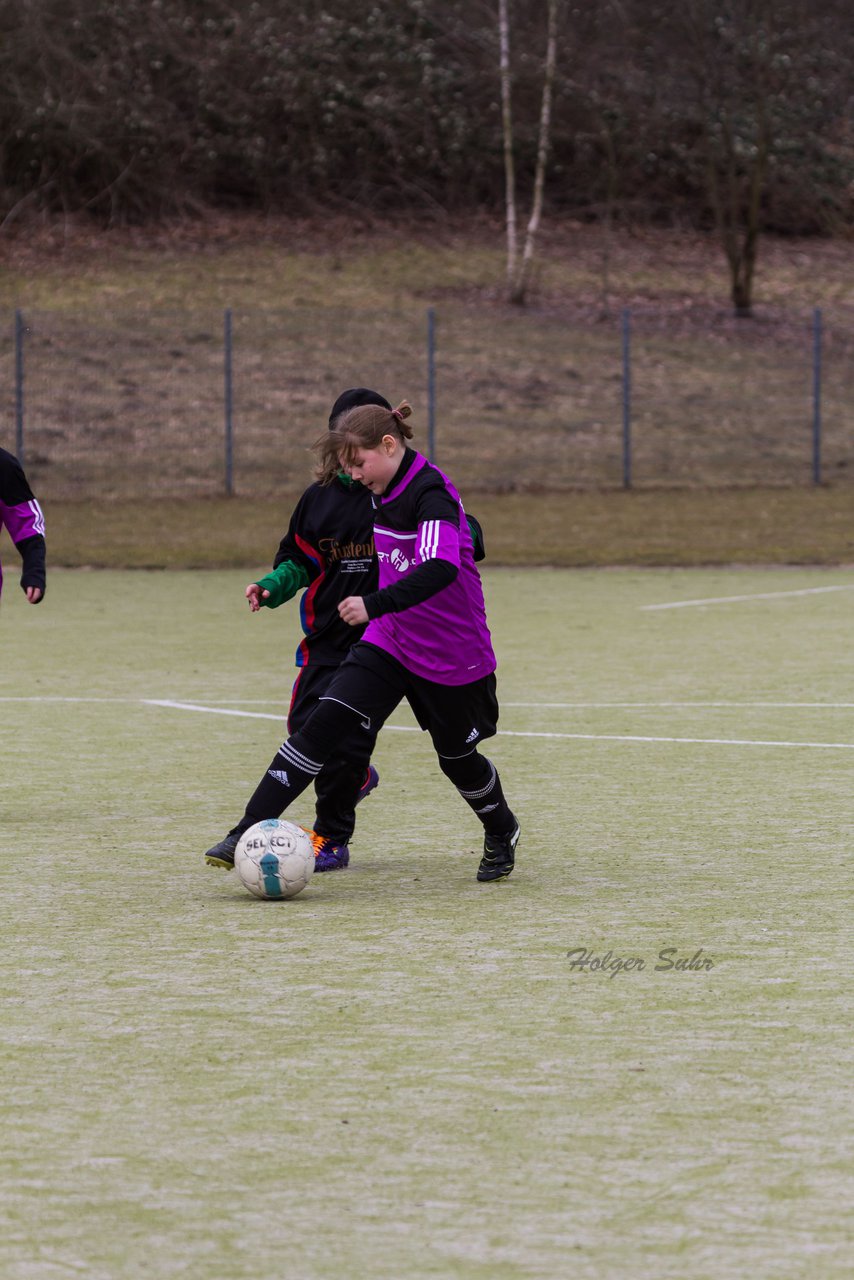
x=426, y=637
x=22, y=516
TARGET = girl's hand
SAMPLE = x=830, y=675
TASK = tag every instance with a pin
x=353, y=611
x=255, y=595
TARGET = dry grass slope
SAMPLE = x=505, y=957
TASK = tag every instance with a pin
x=124, y=390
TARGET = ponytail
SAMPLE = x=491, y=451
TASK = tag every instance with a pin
x=358, y=429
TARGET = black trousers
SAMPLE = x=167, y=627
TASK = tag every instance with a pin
x=341, y=778
x=350, y=712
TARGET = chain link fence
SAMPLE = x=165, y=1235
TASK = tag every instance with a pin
x=161, y=404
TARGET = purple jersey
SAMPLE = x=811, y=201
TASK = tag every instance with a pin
x=445, y=638
x=22, y=516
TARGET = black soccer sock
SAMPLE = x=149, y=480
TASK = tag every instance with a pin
x=291, y=771
x=477, y=781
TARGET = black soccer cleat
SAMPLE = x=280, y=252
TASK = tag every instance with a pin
x=222, y=855
x=499, y=855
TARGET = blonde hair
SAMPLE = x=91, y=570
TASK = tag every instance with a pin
x=361, y=428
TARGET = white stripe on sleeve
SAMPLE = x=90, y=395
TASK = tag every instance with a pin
x=429, y=540
x=38, y=516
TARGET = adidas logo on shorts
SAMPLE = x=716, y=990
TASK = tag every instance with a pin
x=475, y=733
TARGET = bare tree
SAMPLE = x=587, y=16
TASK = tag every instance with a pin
x=519, y=268
x=751, y=90
x=507, y=134
x=735, y=74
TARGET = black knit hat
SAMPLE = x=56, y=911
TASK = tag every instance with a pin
x=353, y=398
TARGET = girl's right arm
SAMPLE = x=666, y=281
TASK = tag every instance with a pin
x=281, y=584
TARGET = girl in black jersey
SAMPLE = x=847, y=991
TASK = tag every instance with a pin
x=327, y=551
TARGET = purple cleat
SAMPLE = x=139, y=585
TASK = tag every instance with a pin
x=328, y=854
x=331, y=854
x=371, y=781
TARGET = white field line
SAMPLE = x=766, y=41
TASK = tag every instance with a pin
x=507, y=733
x=213, y=711
x=47, y=697
x=761, y=595
x=215, y=708
x=516, y=733
x=630, y=706
x=717, y=742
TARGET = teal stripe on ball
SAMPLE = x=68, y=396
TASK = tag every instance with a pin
x=269, y=865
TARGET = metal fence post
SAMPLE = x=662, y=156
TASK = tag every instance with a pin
x=19, y=387
x=816, y=396
x=229, y=407
x=627, y=399
x=431, y=384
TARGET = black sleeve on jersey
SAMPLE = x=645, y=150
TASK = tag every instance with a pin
x=289, y=548
x=429, y=578
x=435, y=503
x=14, y=488
x=33, y=555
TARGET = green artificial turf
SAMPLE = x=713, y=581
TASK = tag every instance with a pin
x=399, y=1073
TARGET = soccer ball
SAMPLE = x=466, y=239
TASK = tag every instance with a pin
x=274, y=859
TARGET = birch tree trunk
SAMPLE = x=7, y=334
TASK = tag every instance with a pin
x=507, y=130
x=520, y=278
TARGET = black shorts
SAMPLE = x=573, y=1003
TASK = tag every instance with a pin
x=371, y=683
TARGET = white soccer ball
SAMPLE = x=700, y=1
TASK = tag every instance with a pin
x=274, y=859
